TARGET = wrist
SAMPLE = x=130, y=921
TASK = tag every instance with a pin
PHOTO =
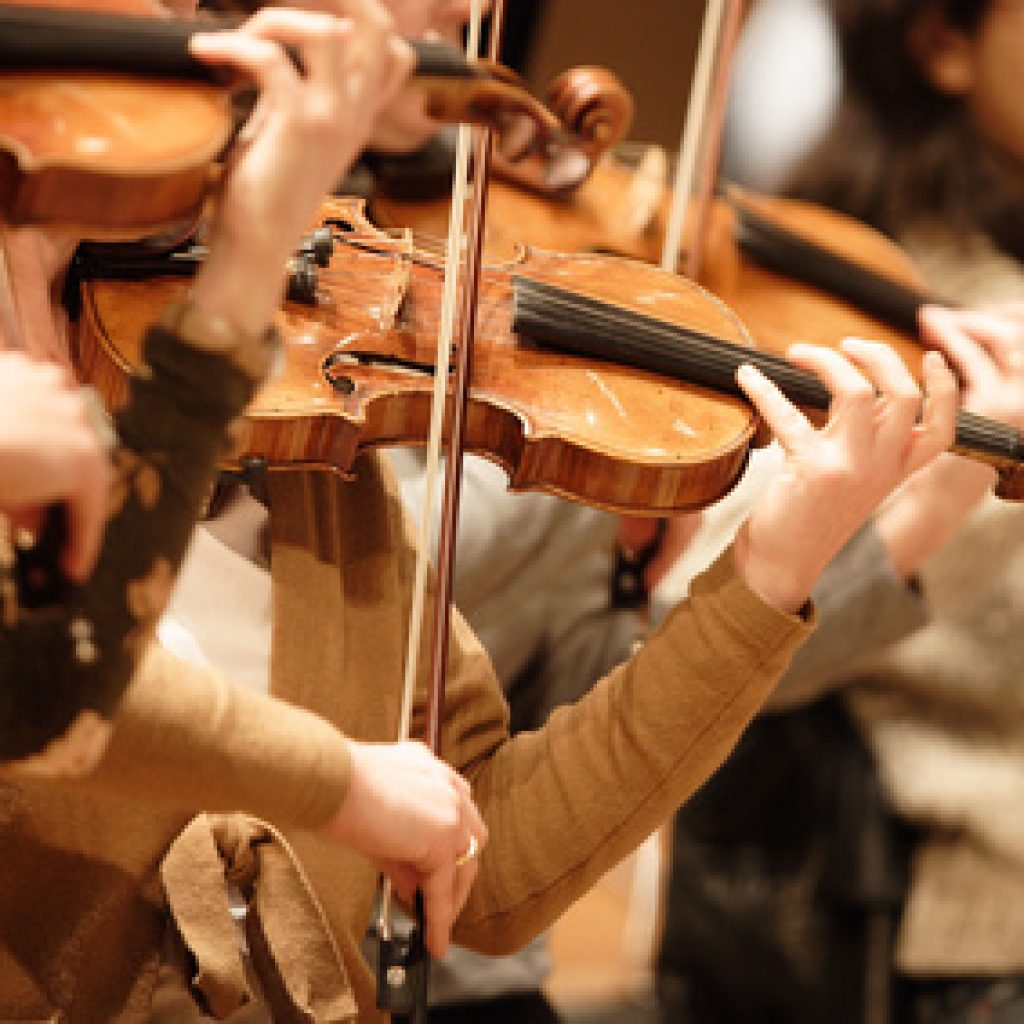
x=240, y=289
x=208, y=330
x=785, y=588
x=341, y=827
x=921, y=518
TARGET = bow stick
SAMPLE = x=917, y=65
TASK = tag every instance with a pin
x=700, y=142
x=711, y=146
x=404, y=964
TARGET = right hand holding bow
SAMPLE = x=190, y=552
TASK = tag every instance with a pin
x=414, y=817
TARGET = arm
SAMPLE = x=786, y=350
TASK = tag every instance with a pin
x=65, y=667
x=565, y=803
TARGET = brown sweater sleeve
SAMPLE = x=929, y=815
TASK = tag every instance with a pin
x=565, y=803
x=65, y=661
x=187, y=738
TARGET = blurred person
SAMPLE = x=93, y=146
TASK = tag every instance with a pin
x=873, y=869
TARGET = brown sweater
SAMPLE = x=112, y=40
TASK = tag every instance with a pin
x=82, y=915
x=68, y=652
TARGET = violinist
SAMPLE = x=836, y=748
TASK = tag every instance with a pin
x=121, y=911
x=927, y=146
x=204, y=358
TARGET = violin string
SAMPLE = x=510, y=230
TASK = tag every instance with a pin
x=716, y=354
x=972, y=432
x=568, y=301
x=584, y=309
x=594, y=311
x=434, y=247
x=721, y=358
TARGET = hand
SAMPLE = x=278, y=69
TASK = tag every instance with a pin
x=439, y=18
x=986, y=349
x=414, y=817
x=878, y=433
x=404, y=126
x=49, y=453
x=306, y=129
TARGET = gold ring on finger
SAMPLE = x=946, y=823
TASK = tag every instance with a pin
x=472, y=850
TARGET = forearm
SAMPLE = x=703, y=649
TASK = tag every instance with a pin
x=188, y=738
x=929, y=509
x=862, y=605
x=566, y=803
x=62, y=661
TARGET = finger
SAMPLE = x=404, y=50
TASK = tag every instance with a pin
x=1012, y=308
x=86, y=519
x=941, y=329
x=325, y=42
x=404, y=880
x=937, y=428
x=438, y=889
x=259, y=59
x=784, y=420
x=374, y=21
x=851, y=392
x=898, y=397
x=1001, y=336
x=465, y=876
x=402, y=59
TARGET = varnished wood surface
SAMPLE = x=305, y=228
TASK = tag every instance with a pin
x=608, y=435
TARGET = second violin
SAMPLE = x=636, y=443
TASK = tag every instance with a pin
x=110, y=103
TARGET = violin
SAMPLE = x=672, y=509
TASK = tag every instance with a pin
x=602, y=380
x=108, y=126
x=791, y=270
x=618, y=209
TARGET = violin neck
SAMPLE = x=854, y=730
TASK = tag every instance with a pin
x=589, y=327
x=64, y=39
x=784, y=252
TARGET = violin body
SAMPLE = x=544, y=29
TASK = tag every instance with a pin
x=150, y=144
x=109, y=127
x=359, y=371
x=603, y=380
x=109, y=156
x=616, y=210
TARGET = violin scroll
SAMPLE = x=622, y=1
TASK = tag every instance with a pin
x=593, y=106
x=594, y=110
